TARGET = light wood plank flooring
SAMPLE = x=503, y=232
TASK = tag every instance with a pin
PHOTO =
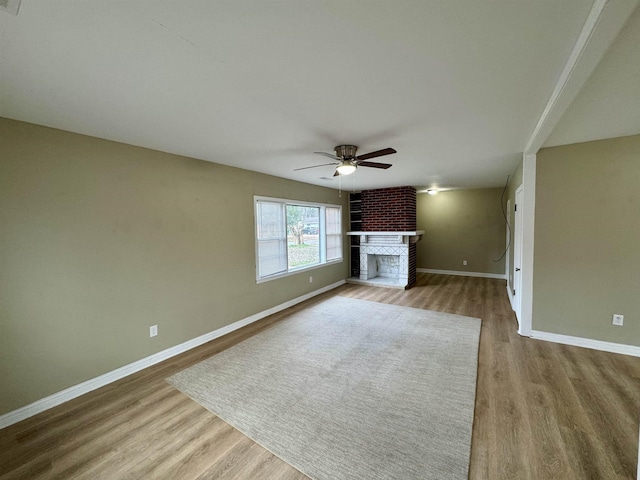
x=543, y=411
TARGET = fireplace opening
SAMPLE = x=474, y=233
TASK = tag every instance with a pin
x=387, y=266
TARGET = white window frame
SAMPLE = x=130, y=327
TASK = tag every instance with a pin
x=321, y=236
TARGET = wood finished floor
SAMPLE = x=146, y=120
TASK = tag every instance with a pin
x=543, y=411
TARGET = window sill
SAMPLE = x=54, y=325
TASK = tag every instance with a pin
x=299, y=270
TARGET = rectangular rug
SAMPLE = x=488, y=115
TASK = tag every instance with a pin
x=351, y=389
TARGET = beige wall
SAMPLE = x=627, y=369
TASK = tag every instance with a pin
x=587, y=240
x=461, y=225
x=100, y=240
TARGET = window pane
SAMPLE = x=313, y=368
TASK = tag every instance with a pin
x=272, y=246
x=270, y=220
x=333, y=221
x=273, y=257
x=334, y=233
x=334, y=247
x=303, y=236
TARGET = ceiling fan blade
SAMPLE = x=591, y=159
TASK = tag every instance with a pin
x=337, y=173
x=314, y=166
x=328, y=155
x=374, y=164
x=377, y=153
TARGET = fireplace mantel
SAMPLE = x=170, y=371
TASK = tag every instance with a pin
x=407, y=236
x=415, y=232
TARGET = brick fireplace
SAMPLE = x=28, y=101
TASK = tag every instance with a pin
x=389, y=209
x=384, y=247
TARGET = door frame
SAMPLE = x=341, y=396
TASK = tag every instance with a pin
x=517, y=254
x=528, y=234
x=509, y=250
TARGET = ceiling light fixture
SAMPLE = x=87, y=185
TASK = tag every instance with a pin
x=432, y=191
x=346, y=167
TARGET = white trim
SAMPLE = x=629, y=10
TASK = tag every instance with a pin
x=500, y=276
x=291, y=201
x=509, y=249
x=296, y=270
x=528, y=227
x=587, y=343
x=518, y=233
x=85, y=387
x=413, y=233
x=508, y=242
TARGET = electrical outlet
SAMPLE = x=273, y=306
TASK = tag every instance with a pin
x=618, y=319
x=310, y=279
x=464, y=262
x=153, y=330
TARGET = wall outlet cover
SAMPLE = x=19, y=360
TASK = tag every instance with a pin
x=618, y=319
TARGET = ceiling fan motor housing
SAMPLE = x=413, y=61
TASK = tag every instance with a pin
x=346, y=151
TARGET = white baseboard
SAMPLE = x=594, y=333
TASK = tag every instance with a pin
x=500, y=276
x=587, y=343
x=70, y=393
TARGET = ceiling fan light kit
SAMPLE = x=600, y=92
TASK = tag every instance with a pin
x=346, y=168
x=347, y=161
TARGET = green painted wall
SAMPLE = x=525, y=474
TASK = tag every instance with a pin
x=101, y=240
x=587, y=240
x=461, y=225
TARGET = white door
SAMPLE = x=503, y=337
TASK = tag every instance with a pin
x=517, y=253
x=507, y=266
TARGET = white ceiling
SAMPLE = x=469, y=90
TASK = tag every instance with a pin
x=456, y=87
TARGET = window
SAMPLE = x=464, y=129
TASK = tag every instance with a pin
x=334, y=233
x=293, y=236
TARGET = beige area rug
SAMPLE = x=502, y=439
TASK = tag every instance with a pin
x=351, y=389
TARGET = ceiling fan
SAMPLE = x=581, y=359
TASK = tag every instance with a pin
x=347, y=161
